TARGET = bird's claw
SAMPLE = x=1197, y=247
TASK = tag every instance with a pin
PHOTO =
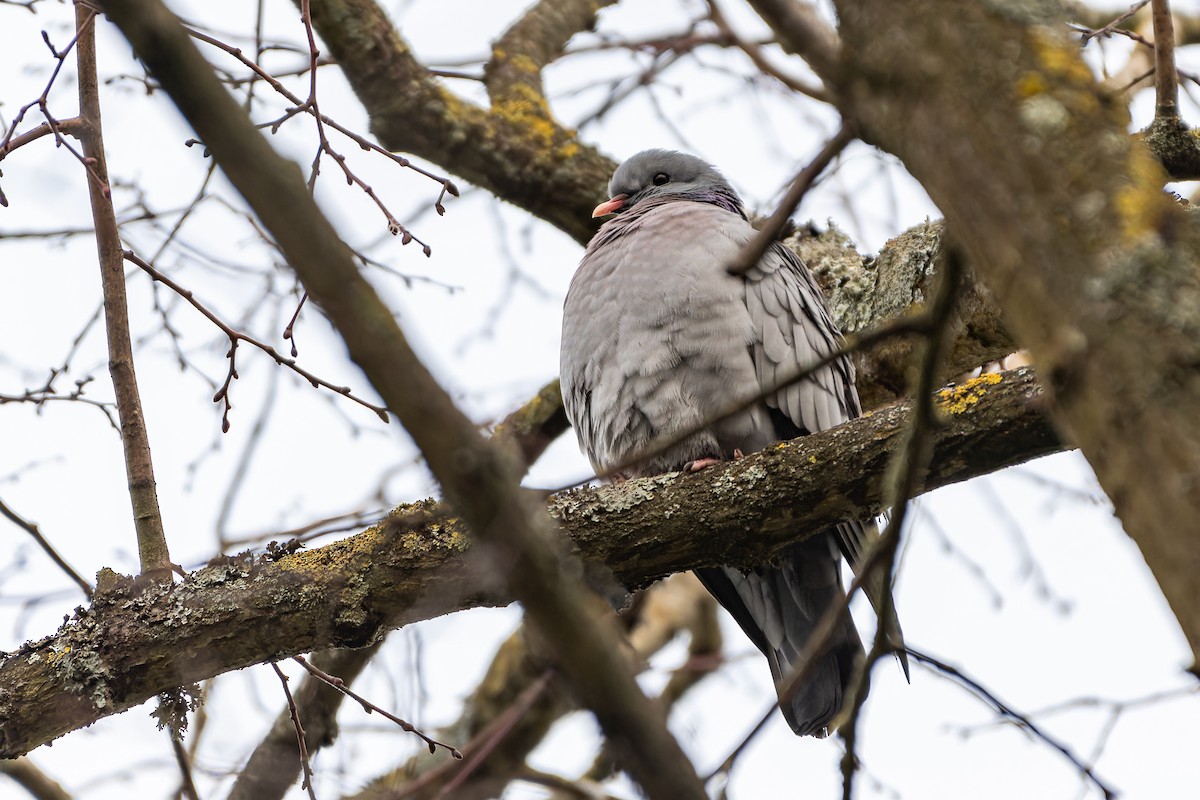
x=700, y=463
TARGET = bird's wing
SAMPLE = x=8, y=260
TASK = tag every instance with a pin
x=793, y=332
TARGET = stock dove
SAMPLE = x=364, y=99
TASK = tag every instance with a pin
x=658, y=338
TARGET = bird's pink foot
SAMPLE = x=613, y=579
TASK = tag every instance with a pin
x=738, y=454
x=700, y=463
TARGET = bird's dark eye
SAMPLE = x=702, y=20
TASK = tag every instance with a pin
x=661, y=178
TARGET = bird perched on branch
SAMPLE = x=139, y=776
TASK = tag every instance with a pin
x=659, y=339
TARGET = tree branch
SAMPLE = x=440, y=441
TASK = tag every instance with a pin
x=39, y=785
x=143, y=493
x=480, y=481
x=515, y=150
x=133, y=643
x=802, y=32
x=1093, y=265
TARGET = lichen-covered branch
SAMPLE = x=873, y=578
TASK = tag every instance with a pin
x=514, y=150
x=1063, y=218
x=135, y=641
x=514, y=73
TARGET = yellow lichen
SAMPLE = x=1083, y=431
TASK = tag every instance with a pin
x=1059, y=57
x=1062, y=72
x=957, y=399
x=524, y=63
x=1030, y=84
x=1140, y=201
x=524, y=106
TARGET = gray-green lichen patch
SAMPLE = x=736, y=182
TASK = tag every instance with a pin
x=736, y=482
x=611, y=498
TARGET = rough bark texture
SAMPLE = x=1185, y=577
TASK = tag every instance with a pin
x=515, y=149
x=137, y=640
x=1063, y=218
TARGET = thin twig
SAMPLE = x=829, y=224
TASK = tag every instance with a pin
x=309, y=106
x=33, y=530
x=753, y=51
x=1112, y=27
x=300, y=742
x=187, y=786
x=773, y=227
x=486, y=741
x=1009, y=714
x=235, y=337
x=906, y=471
x=369, y=707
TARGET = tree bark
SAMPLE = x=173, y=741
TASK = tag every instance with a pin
x=1063, y=218
x=137, y=640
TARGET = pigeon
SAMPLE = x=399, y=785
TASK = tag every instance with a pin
x=658, y=339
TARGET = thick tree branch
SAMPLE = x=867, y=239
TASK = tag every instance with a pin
x=515, y=150
x=514, y=73
x=133, y=643
x=1092, y=264
x=802, y=32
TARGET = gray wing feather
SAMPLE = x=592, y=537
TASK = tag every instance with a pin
x=795, y=330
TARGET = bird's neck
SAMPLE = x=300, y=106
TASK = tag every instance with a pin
x=724, y=198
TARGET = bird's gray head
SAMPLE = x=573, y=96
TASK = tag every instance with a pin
x=667, y=173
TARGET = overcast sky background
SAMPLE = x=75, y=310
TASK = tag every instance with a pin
x=1023, y=579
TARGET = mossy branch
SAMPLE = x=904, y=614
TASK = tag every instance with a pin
x=136, y=639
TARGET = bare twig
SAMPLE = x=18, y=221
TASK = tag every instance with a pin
x=187, y=786
x=310, y=107
x=33, y=530
x=152, y=541
x=1009, y=714
x=907, y=471
x=235, y=337
x=1166, y=80
x=369, y=707
x=47, y=394
x=301, y=744
x=753, y=51
x=1113, y=26
x=801, y=30
x=773, y=227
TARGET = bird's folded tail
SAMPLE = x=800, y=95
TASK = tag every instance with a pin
x=856, y=540
x=779, y=608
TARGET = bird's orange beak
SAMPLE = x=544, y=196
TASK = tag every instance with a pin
x=610, y=206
